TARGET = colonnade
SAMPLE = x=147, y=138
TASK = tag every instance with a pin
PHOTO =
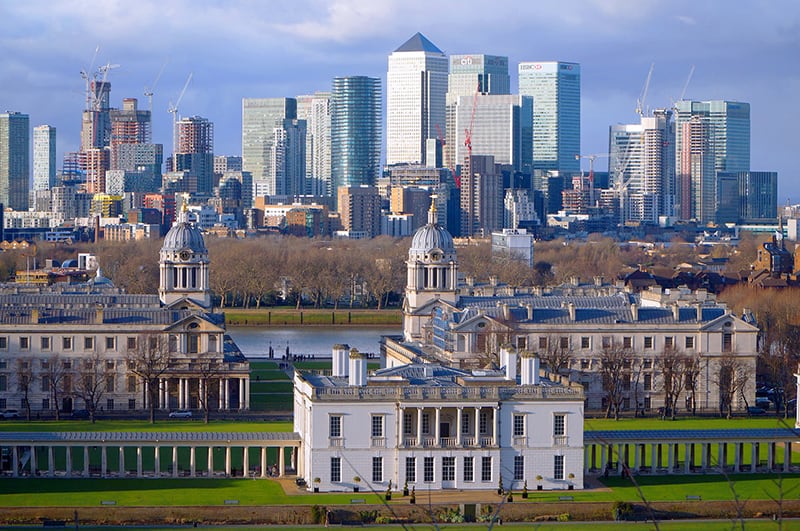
x=184, y=395
x=473, y=438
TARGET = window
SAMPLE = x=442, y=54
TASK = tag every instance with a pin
x=408, y=424
x=486, y=468
x=522, y=342
x=627, y=342
x=626, y=382
x=558, y=467
x=110, y=342
x=519, y=467
x=336, y=469
x=66, y=343
x=484, y=422
x=45, y=364
x=45, y=403
x=669, y=342
x=88, y=343
x=110, y=365
x=173, y=343
x=44, y=342
x=559, y=425
x=212, y=343
x=448, y=468
x=131, y=384
x=335, y=426
x=67, y=364
x=426, y=423
x=411, y=469
x=647, y=363
x=3, y=364
x=519, y=425
x=377, y=426
x=45, y=384
x=3, y=382
x=689, y=343
x=584, y=342
x=3, y=342
x=563, y=342
x=465, y=430
x=24, y=343
x=131, y=403
x=584, y=364
x=727, y=342
x=648, y=382
x=427, y=469
x=606, y=342
x=542, y=342
x=194, y=343
x=469, y=469
x=648, y=342
x=377, y=469
x=3, y=403
x=109, y=384
x=131, y=343
x=110, y=404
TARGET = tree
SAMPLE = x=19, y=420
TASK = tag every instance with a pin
x=56, y=374
x=95, y=377
x=732, y=380
x=693, y=367
x=613, y=360
x=673, y=379
x=25, y=379
x=557, y=353
x=149, y=359
x=209, y=366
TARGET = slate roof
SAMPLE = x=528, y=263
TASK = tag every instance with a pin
x=419, y=43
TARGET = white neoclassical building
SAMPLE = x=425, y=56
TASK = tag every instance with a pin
x=436, y=427
x=55, y=339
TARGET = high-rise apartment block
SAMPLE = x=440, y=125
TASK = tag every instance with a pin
x=556, y=90
x=360, y=210
x=481, y=196
x=711, y=137
x=44, y=157
x=14, y=160
x=355, y=131
x=194, y=153
x=315, y=109
x=416, y=87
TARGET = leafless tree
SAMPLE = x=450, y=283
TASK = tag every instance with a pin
x=693, y=368
x=556, y=352
x=149, y=359
x=613, y=361
x=209, y=367
x=732, y=379
x=56, y=373
x=673, y=379
x=25, y=378
x=94, y=379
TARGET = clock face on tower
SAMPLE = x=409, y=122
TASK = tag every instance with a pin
x=185, y=255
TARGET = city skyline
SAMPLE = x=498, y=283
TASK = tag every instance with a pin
x=742, y=53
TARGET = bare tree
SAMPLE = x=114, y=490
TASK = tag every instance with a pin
x=94, y=379
x=673, y=382
x=25, y=379
x=556, y=352
x=209, y=366
x=56, y=374
x=693, y=368
x=731, y=379
x=613, y=359
x=149, y=359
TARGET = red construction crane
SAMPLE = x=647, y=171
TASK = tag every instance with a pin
x=452, y=167
x=468, y=132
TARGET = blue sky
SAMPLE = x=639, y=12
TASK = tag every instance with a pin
x=742, y=50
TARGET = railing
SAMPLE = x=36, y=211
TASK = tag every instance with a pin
x=560, y=440
x=448, y=442
x=467, y=392
x=335, y=442
x=467, y=440
x=379, y=442
x=428, y=442
x=409, y=441
x=487, y=441
x=520, y=441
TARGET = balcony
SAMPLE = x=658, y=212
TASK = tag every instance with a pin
x=378, y=442
x=520, y=441
x=560, y=440
x=487, y=442
x=335, y=442
x=409, y=442
x=448, y=442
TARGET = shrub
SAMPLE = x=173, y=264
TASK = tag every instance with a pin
x=318, y=514
x=367, y=516
x=621, y=510
x=452, y=516
x=564, y=517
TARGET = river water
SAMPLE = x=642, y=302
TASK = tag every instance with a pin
x=255, y=341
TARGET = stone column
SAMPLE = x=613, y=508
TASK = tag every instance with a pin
x=687, y=462
x=210, y=461
x=86, y=461
x=241, y=393
x=174, y=461
x=15, y=461
x=787, y=456
x=201, y=393
x=157, y=458
x=50, y=464
x=227, y=393
x=222, y=393
x=636, y=457
x=437, y=440
x=722, y=456
x=263, y=461
x=670, y=458
x=247, y=393
x=603, y=457
x=293, y=457
x=419, y=426
x=193, y=461
x=282, y=462
x=33, y=461
x=477, y=428
x=227, y=461
x=737, y=465
x=103, y=461
x=753, y=456
x=122, y=461
x=770, y=455
x=459, y=425
x=495, y=426
x=620, y=458
x=146, y=394
x=704, y=447
x=245, y=461
x=138, y=461
x=69, y=460
x=182, y=393
x=654, y=457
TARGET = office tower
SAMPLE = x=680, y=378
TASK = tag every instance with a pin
x=130, y=125
x=470, y=75
x=289, y=158
x=642, y=167
x=711, y=136
x=481, y=196
x=96, y=120
x=360, y=209
x=501, y=127
x=355, y=131
x=44, y=157
x=410, y=200
x=747, y=197
x=556, y=91
x=246, y=181
x=518, y=209
x=14, y=160
x=226, y=163
x=194, y=153
x=416, y=86
x=260, y=118
x=315, y=109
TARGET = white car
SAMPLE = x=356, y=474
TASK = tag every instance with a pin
x=10, y=414
x=180, y=414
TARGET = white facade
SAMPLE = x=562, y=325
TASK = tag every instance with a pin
x=434, y=427
x=516, y=244
x=316, y=111
x=44, y=157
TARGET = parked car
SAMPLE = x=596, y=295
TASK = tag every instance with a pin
x=752, y=410
x=81, y=414
x=763, y=403
x=10, y=414
x=180, y=414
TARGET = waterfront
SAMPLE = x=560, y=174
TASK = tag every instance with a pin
x=255, y=342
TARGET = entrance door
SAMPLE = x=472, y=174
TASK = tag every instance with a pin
x=444, y=429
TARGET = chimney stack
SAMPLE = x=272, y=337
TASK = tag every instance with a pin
x=529, y=365
x=34, y=316
x=676, y=312
x=635, y=311
x=571, y=309
x=530, y=312
x=340, y=363
x=358, y=369
x=508, y=359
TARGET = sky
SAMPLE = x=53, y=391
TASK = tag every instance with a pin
x=741, y=50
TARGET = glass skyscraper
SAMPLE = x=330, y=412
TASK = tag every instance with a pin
x=556, y=91
x=355, y=131
x=14, y=160
x=261, y=117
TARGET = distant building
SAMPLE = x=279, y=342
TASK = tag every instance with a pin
x=315, y=109
x=514, y=244
x=261, y=117
x=195, y=153
x=44, y=157
x=481, y=196
x=360, y=209
x=14, y=160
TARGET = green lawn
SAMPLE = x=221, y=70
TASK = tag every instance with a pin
x=687, y=423
x=180, y=425
x=311, y=316
x=271, y=402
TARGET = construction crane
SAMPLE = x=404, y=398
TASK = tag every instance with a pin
x=451, y=167
x=591, y=159
x=174, y=110
x=104, y=69
x=641, y=110
x=683, y=92
x=149, y=91
x=468, y=131
x=89, y=76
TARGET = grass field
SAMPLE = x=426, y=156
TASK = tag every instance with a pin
x=292, y=317
x=179, y=425
x=687, y=423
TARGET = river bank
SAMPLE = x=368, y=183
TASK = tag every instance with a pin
x=281, y=316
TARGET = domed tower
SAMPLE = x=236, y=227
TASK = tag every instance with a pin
x=432, y=274
x=183, y=265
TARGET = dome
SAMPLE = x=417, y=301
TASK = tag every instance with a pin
x=184, y=235
x=430, y=237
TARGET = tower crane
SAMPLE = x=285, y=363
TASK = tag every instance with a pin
x=591, y=159
x=468, y=131
x=174, y=110
x=89, y=76
x=641, y=110
x=104, y=69
x=149, y=91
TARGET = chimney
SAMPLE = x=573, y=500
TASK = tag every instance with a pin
x=529, y=365
x=358, y=369
x=493, y=280
x=699, y=307
x=34, y=316
x=571, y=309
x=575, y=280
x=676, y=311
x=506, y=312
x=598, y=281
x=530, y=311
x=508, y=359
x=340, y=365
x=635, y=311
x=98, y=314
x=470, y=280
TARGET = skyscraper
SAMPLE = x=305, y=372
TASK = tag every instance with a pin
x=416, y=86
x=315, y=109
x=44, y=157
x=195, y=153
x=711, y=137
x=288, y=156
x=14, y=160
x=556, y=91
x=261, y=117
x=355, y=131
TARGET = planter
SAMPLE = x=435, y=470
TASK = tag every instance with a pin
x=538, y=487
x=355, y=489
x=388, y=497
x=525, y=495
x=316, y=489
